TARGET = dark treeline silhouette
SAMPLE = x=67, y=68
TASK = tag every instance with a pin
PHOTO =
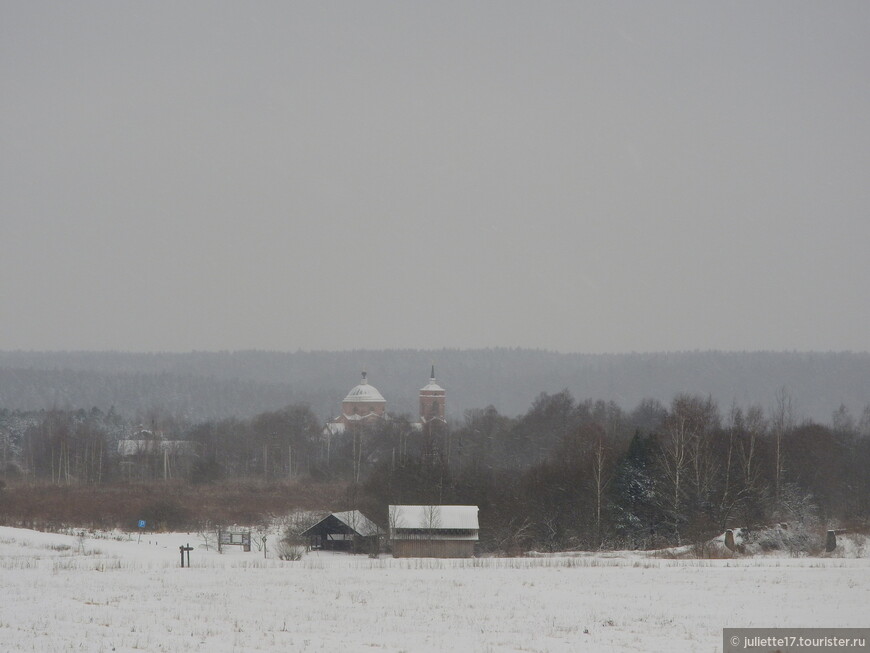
x=214, y=385
x=566, y=474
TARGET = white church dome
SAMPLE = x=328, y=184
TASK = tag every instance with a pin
x=365, y=392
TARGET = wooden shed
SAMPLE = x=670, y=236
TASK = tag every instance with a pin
x=343, y=531
x=433, y=531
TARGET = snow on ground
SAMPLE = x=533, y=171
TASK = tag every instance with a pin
x=65, y=593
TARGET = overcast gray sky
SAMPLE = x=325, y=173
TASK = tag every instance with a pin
x=594, y=177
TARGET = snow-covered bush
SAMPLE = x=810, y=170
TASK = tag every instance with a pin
x=797, y=540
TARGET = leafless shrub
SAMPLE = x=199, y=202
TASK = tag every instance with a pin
x=60, y=547
x=289, y=551
x=209, y=536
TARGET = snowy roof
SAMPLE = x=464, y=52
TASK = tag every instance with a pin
x=135, y=447
x=338, y=425
x=434, y=517
x=365, y=392
x=334, y=428
x=354, y=520
x=359, y=522
x=358, y=418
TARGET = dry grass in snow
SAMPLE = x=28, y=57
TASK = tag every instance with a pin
x=65, y=593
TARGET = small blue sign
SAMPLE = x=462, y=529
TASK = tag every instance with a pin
x=141, y=523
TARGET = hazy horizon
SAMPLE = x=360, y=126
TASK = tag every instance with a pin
x=571, y=177
x=214, y=385
x=546, y=350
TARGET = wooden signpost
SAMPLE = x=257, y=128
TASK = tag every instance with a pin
x=182, y=550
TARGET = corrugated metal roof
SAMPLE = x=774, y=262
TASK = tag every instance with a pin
x=434, y=517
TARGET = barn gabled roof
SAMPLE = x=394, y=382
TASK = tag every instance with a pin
x=359, y=522
x=353, y=519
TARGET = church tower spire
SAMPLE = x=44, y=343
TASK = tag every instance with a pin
x=433, y=401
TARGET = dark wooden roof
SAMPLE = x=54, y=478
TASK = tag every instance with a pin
x=352, y=522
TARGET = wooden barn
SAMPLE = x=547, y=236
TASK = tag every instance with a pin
x=433, y=531
x=343, y=531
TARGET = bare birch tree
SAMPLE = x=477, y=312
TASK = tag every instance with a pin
x=686, y=457
x=734, y=427
x=431, y=523
x=602, y=474
x=755, y=427
x=781, y=421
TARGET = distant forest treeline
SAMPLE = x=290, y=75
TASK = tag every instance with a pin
x=566, y=474
x=216, y=385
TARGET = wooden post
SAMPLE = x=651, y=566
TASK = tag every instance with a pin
x=729, y=540
x=182, y=549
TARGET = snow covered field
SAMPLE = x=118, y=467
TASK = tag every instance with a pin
x=63, y=593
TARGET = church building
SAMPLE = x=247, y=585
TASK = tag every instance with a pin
x=362, y=405
x=365, y=405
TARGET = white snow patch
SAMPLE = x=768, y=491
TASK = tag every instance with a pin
x=106, y=592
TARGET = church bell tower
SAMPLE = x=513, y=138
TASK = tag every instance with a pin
x=433, y=401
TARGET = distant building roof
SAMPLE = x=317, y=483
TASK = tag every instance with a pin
x=356, y=417
x=334, y=428
x=136, y=447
